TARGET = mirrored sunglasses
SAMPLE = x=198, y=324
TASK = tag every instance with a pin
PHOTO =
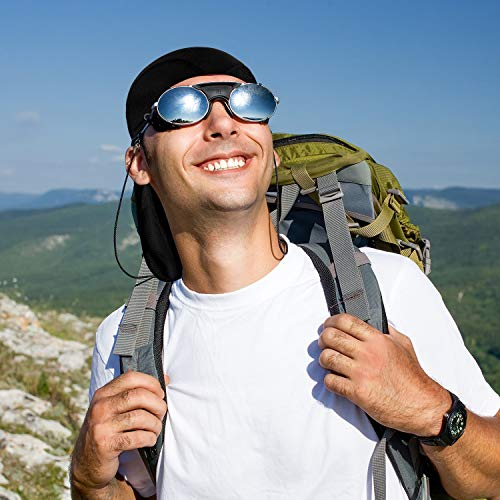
x=187, y=105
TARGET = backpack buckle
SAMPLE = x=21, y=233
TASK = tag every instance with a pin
x=413, y=246
x=399, y=196
x=330, y=194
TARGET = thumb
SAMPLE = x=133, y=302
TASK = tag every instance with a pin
x=166, y=378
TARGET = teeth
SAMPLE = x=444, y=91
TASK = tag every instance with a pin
x=223, y=164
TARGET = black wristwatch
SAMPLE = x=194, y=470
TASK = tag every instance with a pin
x=453, y=427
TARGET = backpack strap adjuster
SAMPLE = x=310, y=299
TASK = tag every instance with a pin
x=308, y=191
x=330, y=194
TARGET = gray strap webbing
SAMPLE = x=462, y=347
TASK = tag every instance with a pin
x=289, y=195
x=350, y=281
x=378, y=466
x=134, y=330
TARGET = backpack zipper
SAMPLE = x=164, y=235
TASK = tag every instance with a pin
x=297, y=139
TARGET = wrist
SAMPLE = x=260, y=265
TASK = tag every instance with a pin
x=436, y=409
x=83, y=491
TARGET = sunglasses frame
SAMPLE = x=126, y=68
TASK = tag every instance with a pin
x=212, y=91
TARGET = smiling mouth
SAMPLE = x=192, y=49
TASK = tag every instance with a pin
x=233, y=163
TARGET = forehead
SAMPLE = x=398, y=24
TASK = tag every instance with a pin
x=208, y=78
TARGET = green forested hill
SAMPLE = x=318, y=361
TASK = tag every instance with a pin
x=63, y=259
x=466, y=270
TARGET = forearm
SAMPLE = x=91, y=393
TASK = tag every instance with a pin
x=116, y=489
x=469, y=468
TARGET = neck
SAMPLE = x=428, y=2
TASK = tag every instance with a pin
x=229, y=254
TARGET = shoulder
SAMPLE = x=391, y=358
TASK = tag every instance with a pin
x=398, y=275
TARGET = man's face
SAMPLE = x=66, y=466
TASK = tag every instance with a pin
x=183, y=168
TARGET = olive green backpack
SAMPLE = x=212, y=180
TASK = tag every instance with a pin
x=373, y=198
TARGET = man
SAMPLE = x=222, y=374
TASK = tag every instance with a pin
x=259, y=406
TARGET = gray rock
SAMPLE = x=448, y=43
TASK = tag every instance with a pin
x=14, y=399
x=30, y=450
x=42, y=427
x=23, y=334
x=8, y=495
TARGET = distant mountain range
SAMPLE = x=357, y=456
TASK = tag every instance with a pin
x=56, y=198
x=452, y=198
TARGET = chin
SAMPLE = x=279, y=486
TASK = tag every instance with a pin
x=231, y=202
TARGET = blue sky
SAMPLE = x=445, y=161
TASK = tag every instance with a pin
x=417, y=84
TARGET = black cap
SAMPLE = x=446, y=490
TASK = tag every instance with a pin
x=158, y=245
x=173, y=68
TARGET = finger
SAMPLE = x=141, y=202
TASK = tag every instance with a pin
x=125, y=441
x=135, y=399
x=351, y=325
x=137, y=420
x=338, y=340
x=131, y=380
x=336, y=362
x=339, y=385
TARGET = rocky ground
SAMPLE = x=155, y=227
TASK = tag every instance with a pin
x=45, y=368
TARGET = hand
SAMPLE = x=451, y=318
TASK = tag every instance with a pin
x=381, y=374
x=125, y=414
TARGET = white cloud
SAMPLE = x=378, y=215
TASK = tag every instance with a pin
x=110, y=148
x=27, y=117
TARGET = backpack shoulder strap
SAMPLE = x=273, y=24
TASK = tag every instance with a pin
x=139, y=342
x=402, y=449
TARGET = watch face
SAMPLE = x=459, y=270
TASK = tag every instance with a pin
x=457, y=424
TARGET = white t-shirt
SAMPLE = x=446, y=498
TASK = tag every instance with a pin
x=248, y=414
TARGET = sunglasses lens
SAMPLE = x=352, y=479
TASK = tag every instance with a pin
x=252, y=102
x=182, y=105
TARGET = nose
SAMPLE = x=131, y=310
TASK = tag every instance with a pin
x=219, y=123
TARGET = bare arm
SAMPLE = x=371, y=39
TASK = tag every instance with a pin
x=472, y=464
x=381, y=374
x=125, y=414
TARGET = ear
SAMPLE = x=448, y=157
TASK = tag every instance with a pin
x=277, y=158
x=138, y=171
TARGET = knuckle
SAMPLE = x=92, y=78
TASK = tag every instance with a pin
x=328, y=335
x=152, y=438
x=326, y=358
x=97, y=410
x=407, y=341
x=121, y=442
x=98, y=435
x=125, y=395
x=163, y=408
x=329, y=381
